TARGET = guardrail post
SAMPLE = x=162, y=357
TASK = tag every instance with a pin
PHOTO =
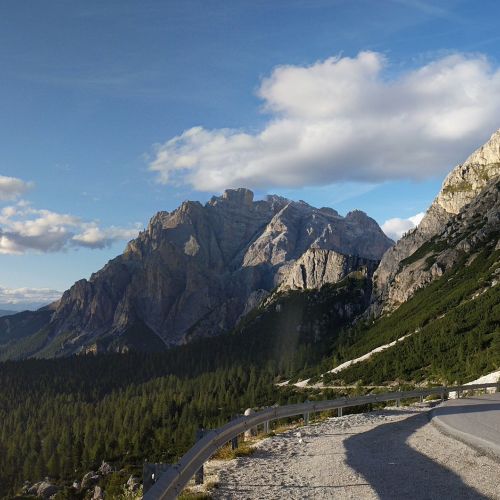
x=398, y=403
x=421, y=399
x=266, y=427
x=306, y=415
x=151, y=474
x=249, y=432
x=234, y=443
x=199, y=474
x=339, y=411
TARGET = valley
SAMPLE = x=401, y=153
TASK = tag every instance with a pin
x=244, y=304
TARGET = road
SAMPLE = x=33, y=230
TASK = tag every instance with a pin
x=474, y=420
x=389, y=455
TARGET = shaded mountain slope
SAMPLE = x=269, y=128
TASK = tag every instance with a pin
x=198, y=269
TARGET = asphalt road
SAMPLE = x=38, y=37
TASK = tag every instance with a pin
x=474, y=420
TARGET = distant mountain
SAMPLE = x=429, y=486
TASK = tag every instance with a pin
x=196, y=271
x=4, y=312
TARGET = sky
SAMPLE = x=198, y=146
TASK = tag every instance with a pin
x=111, y=111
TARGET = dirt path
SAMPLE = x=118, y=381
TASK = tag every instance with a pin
x=391, y=454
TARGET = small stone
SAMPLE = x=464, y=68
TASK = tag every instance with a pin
x=98, y=494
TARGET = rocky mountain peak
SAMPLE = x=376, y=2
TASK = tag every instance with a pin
x=466, y=180
x=237, y=197
x=195, y=270
x=461, y=188
x=488, y=153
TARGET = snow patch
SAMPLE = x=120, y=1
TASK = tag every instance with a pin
x=368, y=355
x=490, y=378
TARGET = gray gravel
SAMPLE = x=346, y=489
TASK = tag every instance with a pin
x=391, y=454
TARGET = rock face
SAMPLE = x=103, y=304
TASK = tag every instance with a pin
x=318, y=266
x=467, y=194
x=195, y=271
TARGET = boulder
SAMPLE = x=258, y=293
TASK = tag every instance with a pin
x=98, y=494
x=89, y=479
x=105, y=469
x=46, y=489
x=133, y=484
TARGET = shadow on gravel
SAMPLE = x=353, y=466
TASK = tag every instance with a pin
x=395, y=471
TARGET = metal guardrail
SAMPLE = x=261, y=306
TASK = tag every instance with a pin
x=174, y=480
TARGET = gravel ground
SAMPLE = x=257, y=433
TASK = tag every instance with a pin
x=391, y=454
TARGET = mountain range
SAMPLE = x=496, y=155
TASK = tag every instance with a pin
x=199, y=270
x=195, y=272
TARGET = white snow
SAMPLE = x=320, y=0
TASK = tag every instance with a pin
x=490, y=378
x=347, y=364
x=368, y=355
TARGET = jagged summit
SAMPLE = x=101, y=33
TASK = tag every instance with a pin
x=239, y=196
x=195, y=270
x=466, y=180
x=461, y=188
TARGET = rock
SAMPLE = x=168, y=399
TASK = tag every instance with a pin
x=33, y=490
x=105, y=469
x=197, y=270
x=132, y=484
x=469, y=193
x=89, y=479
x=98, y=494
x=317, y=267
x=26, y=487
x=45, y=489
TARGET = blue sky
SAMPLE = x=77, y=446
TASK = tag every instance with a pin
x=111, y=111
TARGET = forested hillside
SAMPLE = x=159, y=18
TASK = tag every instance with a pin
x=454, y=325
x=62, y=417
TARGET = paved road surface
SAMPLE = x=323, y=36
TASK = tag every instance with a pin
x=474, y=420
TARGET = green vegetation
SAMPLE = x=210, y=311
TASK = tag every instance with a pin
x=458, y=187
x=455, y=337
x=429, y=247
x=62, y=417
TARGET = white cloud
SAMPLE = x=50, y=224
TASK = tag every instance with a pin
x=345, y=119
x=27, y=296
x=11, y=187
x=395, y=228
x=93, y=236
x=24, y=228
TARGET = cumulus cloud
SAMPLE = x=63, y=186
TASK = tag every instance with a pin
x=93, y=236
x=345, y=119
x=17, y=298
x=24, y=228
x=395, y=228
x=11, y=187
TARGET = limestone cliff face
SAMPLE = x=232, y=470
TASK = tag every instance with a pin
x=195, y=271
x=318, y=266
x=395, y=280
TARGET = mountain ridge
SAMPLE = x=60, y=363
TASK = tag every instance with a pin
x=393, y=285
x=198, y=268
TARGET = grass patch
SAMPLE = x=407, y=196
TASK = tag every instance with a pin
x=244, y=449
x=188, y=494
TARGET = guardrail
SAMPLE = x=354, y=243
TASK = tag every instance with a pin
x=175, y=479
